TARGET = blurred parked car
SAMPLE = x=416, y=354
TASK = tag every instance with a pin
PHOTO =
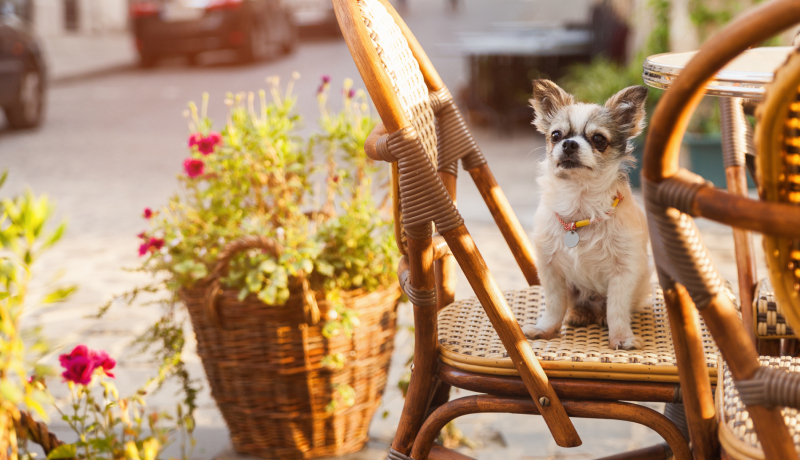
x=22, y=69
x=254, y=28
x=313, y=14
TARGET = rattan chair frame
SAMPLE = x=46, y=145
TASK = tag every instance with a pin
x=672, y=198
x=429, y=265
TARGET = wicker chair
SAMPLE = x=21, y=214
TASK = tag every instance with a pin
x=755, y=415
x=477, y=344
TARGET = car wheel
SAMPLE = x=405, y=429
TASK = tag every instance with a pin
x=27, y=110
x=256, y=48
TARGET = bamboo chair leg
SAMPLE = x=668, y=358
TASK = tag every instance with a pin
x=608, y=410
x=507, y=221
x=446, y=266
x=733, y=341
x=684, y=323
x=423, y=376
x=510, y=333
x=735, y=133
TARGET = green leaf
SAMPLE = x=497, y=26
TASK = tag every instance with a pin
x=63, y=451
x=268, y=266
x=3, y=177
x=10, y=391
x=59, y=295
x=55, y=236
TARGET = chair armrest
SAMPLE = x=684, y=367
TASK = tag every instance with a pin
x=370, y=144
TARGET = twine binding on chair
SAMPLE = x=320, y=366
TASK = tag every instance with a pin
x=676, y=240
x=418, y=297
x=395, y=455
x=455, y=142
x=735, y=144
x=423, y=198
x=771, y=387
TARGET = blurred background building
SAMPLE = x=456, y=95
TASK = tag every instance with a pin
x=59, y=17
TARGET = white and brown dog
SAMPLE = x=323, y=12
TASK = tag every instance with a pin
x=590, y=236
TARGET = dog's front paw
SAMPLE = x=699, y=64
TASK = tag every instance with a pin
x=626, y=343
x=534, y=332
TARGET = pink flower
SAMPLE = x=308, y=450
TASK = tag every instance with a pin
x=102, y=360
x=156, y=243
x=81, y=363
x=148, y=213
x=325, y=79
x=206, y=144
x=194, y=139
x=150, y=244
x=193, y=167
x=78, y=364
x=351, y=94
x=142, y=236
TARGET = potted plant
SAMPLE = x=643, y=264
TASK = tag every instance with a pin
x=286, y=269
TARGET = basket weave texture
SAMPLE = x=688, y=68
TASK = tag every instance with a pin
x=263, y=364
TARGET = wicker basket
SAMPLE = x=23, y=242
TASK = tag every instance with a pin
x=264, y=366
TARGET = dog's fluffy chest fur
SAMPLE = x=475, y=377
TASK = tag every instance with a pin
x=606, y=246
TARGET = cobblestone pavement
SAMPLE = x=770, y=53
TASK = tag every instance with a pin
x=112, y=145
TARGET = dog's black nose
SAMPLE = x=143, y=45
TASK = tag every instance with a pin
x=570, y=147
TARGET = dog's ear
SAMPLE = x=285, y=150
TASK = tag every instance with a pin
x=547, y=99
x=628, y=109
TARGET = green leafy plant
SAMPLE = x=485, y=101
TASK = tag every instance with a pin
x=24, y=237
x=108, y=427
x=257, y=176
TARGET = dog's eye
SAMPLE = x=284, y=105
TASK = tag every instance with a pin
x=599, y=141
x=556, y=136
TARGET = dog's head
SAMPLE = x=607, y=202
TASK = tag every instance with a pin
x=587, y=140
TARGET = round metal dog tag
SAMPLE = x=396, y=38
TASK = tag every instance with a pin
x=571, y=239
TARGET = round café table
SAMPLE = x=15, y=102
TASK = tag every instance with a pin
x=743, y=80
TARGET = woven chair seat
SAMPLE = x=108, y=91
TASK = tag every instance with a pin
x=468, y=341
x=736, y=432
x=769, y=320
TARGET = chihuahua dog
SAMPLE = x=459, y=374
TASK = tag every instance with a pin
x=590, y=236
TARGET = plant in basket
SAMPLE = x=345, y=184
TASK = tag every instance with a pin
x=283, y=254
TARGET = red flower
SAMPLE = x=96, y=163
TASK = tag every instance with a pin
x=81, y=363
x=207, y=144
x=156, y=243
x=148, y=213
x=194, y=139
x=102, y=360
x=142, y=235
x=150, y=244
x=193, y=167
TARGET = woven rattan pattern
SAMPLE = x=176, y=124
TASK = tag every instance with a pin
x=403, y=71
x=264, y=368
x=769, y=321
x=467, y=336
x=734, y=414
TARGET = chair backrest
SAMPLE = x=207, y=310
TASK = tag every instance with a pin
x=674, y=196
x=403, y=70
x=777, y=139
